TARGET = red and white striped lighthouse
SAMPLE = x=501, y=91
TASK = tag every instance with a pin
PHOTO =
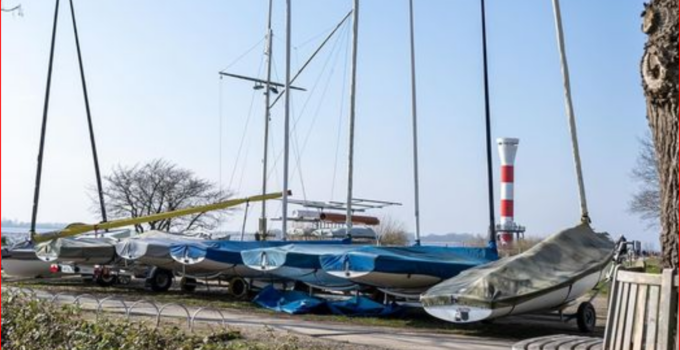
x=507, y=148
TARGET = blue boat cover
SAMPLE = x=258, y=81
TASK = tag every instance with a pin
x=442, y=262
x=229, y=252
x=298, y=303
x=302, y=256
x=294, y=303
x=363, y=307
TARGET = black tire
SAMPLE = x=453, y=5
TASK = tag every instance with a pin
x=106, y=281
x=586, y=318
x=188, y=285
x=239, y=288
x=124, y=280
x=160, y=280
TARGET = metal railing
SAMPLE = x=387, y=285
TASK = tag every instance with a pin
x=125, y=308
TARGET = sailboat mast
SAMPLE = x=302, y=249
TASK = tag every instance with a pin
x=489, y=152
x=43, y=131
x=93, y=143
x=585, y=216
x=352, y=114
x=267, y=101
x=286, y=147
x=414, y=106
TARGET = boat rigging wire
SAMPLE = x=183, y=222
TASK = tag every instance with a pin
x=341, y=115
x=246, y=128
x=238, y=59
x=312, y=91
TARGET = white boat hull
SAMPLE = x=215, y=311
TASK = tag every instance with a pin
x=26, y=268
x=554, y=300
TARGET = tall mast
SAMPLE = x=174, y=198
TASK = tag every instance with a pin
x=286, y=147
x=352, y=114
x=585, y=216
x=414, y=105
x=43, y=131
x=93, y=143
x=267, y=101
x=489, y=152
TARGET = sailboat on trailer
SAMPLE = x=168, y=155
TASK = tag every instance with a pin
x=551, y=276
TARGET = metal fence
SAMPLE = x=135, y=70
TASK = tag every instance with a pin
x=126, y=308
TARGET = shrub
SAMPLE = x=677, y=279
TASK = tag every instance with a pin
x=31, y=324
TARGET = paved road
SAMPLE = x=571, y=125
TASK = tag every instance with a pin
x=375, y=337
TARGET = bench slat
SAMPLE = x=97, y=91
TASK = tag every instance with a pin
x=580, y=341
x=621, y=314
x=639, y=278
x=559, y=343
x=638, y=335
x=589, y=345
x=610, y=329
x=665, y=306
x=652, y=318
x=524, y=345
x=630, y=316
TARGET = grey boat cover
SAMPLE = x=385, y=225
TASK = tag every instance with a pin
x=90, y=251
x=151, y=247
x=20, y=251
x=553, y=264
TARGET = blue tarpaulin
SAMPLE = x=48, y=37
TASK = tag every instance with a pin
x=438, y=262
x=298, y=303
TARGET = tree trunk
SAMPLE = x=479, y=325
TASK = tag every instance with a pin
x=660, y=81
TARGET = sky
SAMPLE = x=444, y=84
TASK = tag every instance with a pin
x=152, y=72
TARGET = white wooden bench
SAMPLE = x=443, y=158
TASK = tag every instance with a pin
x=642, y=315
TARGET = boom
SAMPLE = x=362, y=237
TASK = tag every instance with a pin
x=78, y=229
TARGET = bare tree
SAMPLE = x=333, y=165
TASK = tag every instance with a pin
x=659, y=70
x=159, y=187
x=392, y=232
x=646, y=201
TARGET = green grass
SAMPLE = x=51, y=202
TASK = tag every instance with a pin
x=654, y=266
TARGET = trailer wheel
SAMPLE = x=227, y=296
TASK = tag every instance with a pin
x=124, y=280
x=586, y=318
x=239, y=288
x=188, y=285
x=106, y=281
x=160, y=280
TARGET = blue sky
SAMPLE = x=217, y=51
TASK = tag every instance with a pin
x=152, y=70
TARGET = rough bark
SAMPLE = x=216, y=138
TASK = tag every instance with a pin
x=660, y=81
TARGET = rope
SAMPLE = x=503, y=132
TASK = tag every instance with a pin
x=585, y=217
